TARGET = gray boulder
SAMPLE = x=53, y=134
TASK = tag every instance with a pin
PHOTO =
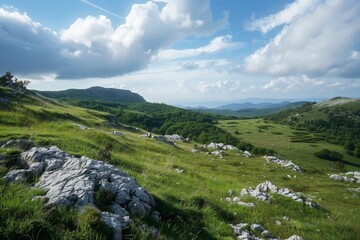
x=68, y=180
x=23, y=144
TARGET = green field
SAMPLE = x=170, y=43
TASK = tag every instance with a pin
x=190, y=203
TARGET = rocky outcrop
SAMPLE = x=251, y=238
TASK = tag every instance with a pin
x=73, y=181
x=283, y=163
x=22, y=144
x=264, y=190
x=220, y=146
x=346, y=177
x=164, y=140
x=244, y=231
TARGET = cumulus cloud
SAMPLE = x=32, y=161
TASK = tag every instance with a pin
x=217, y=44
x=285, y=16
x=317, y=43
x=92, y=47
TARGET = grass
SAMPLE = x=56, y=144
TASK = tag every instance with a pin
x=190, y=203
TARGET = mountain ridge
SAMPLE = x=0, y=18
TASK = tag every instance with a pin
x=96, y=93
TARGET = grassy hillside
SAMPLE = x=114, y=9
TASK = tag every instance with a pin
x=190, y=202
x=96, y=93
x=335, y=121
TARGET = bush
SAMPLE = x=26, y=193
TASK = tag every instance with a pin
x=329, y=155
x=104, y=198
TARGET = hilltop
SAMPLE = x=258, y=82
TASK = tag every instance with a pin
x=96, y=93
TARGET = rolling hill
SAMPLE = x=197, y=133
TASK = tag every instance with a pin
x=197, y=194
x=96, y=93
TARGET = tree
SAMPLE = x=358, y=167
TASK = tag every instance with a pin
x=8, y=80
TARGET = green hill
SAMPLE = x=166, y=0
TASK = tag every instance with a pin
x=190, y=189
x=336, y=121
x=96, y=93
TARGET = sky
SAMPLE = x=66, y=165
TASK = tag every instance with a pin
x=186, y=51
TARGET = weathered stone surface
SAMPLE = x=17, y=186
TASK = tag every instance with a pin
x=113, y=221
x=350, y=177
x=242, y=231
x=283, y=163
x=20, y=175
x=263, y=192
x=257, y=227
x=22, y=144
x=220, y=146
x=71, y=181
x=295, y=237
x=118, y=133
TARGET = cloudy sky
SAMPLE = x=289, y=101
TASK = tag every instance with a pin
x=182, y=51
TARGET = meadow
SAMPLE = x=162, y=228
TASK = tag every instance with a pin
x=191, y=203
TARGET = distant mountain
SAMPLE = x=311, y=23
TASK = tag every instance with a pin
x=96, y=93
x=251, y=109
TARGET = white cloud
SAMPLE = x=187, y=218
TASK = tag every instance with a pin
x=320, y=42
x=293, y=83
x=92, y=47
x=216, y=45
x=285, y=16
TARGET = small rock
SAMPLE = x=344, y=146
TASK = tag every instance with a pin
x=277, y=222
x=257, y=227
x=295, y=237
x=266, y=234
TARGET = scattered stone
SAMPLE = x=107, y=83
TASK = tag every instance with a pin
x=236, y=200
x=231, y=192
x=174, y=137
x=247, y=154
x=263, y=192
x=220, y=146
x=286, y=218
x=217, y=153
x=283, y=163
x=118, y=133
x=177, y=170
x=266, y=234
x=295, y=237
x=354, y=189
x=147, y=135
x=351, y=177
x=82, y=127
x=164, y=140
x=257, y=227
x=22, y=144
x=71, y=181
x=194, y=150
x=277, y=222
x=245, y=204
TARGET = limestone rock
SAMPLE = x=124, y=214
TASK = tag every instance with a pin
x=113, y=221
x=263, y=192
x=283, y=163
x=68, y=180
x=23, y=144
x=295, y=237
x=257, y=227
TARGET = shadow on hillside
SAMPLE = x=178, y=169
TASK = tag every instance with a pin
x=187, y=222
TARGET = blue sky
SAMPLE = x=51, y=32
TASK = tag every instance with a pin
x=186, y=51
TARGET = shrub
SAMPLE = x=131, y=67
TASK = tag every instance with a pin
x=329, y=155
x=104, y=198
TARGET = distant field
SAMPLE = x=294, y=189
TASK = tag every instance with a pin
x=292, y=144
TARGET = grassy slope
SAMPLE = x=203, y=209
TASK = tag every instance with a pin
x=195, y=195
